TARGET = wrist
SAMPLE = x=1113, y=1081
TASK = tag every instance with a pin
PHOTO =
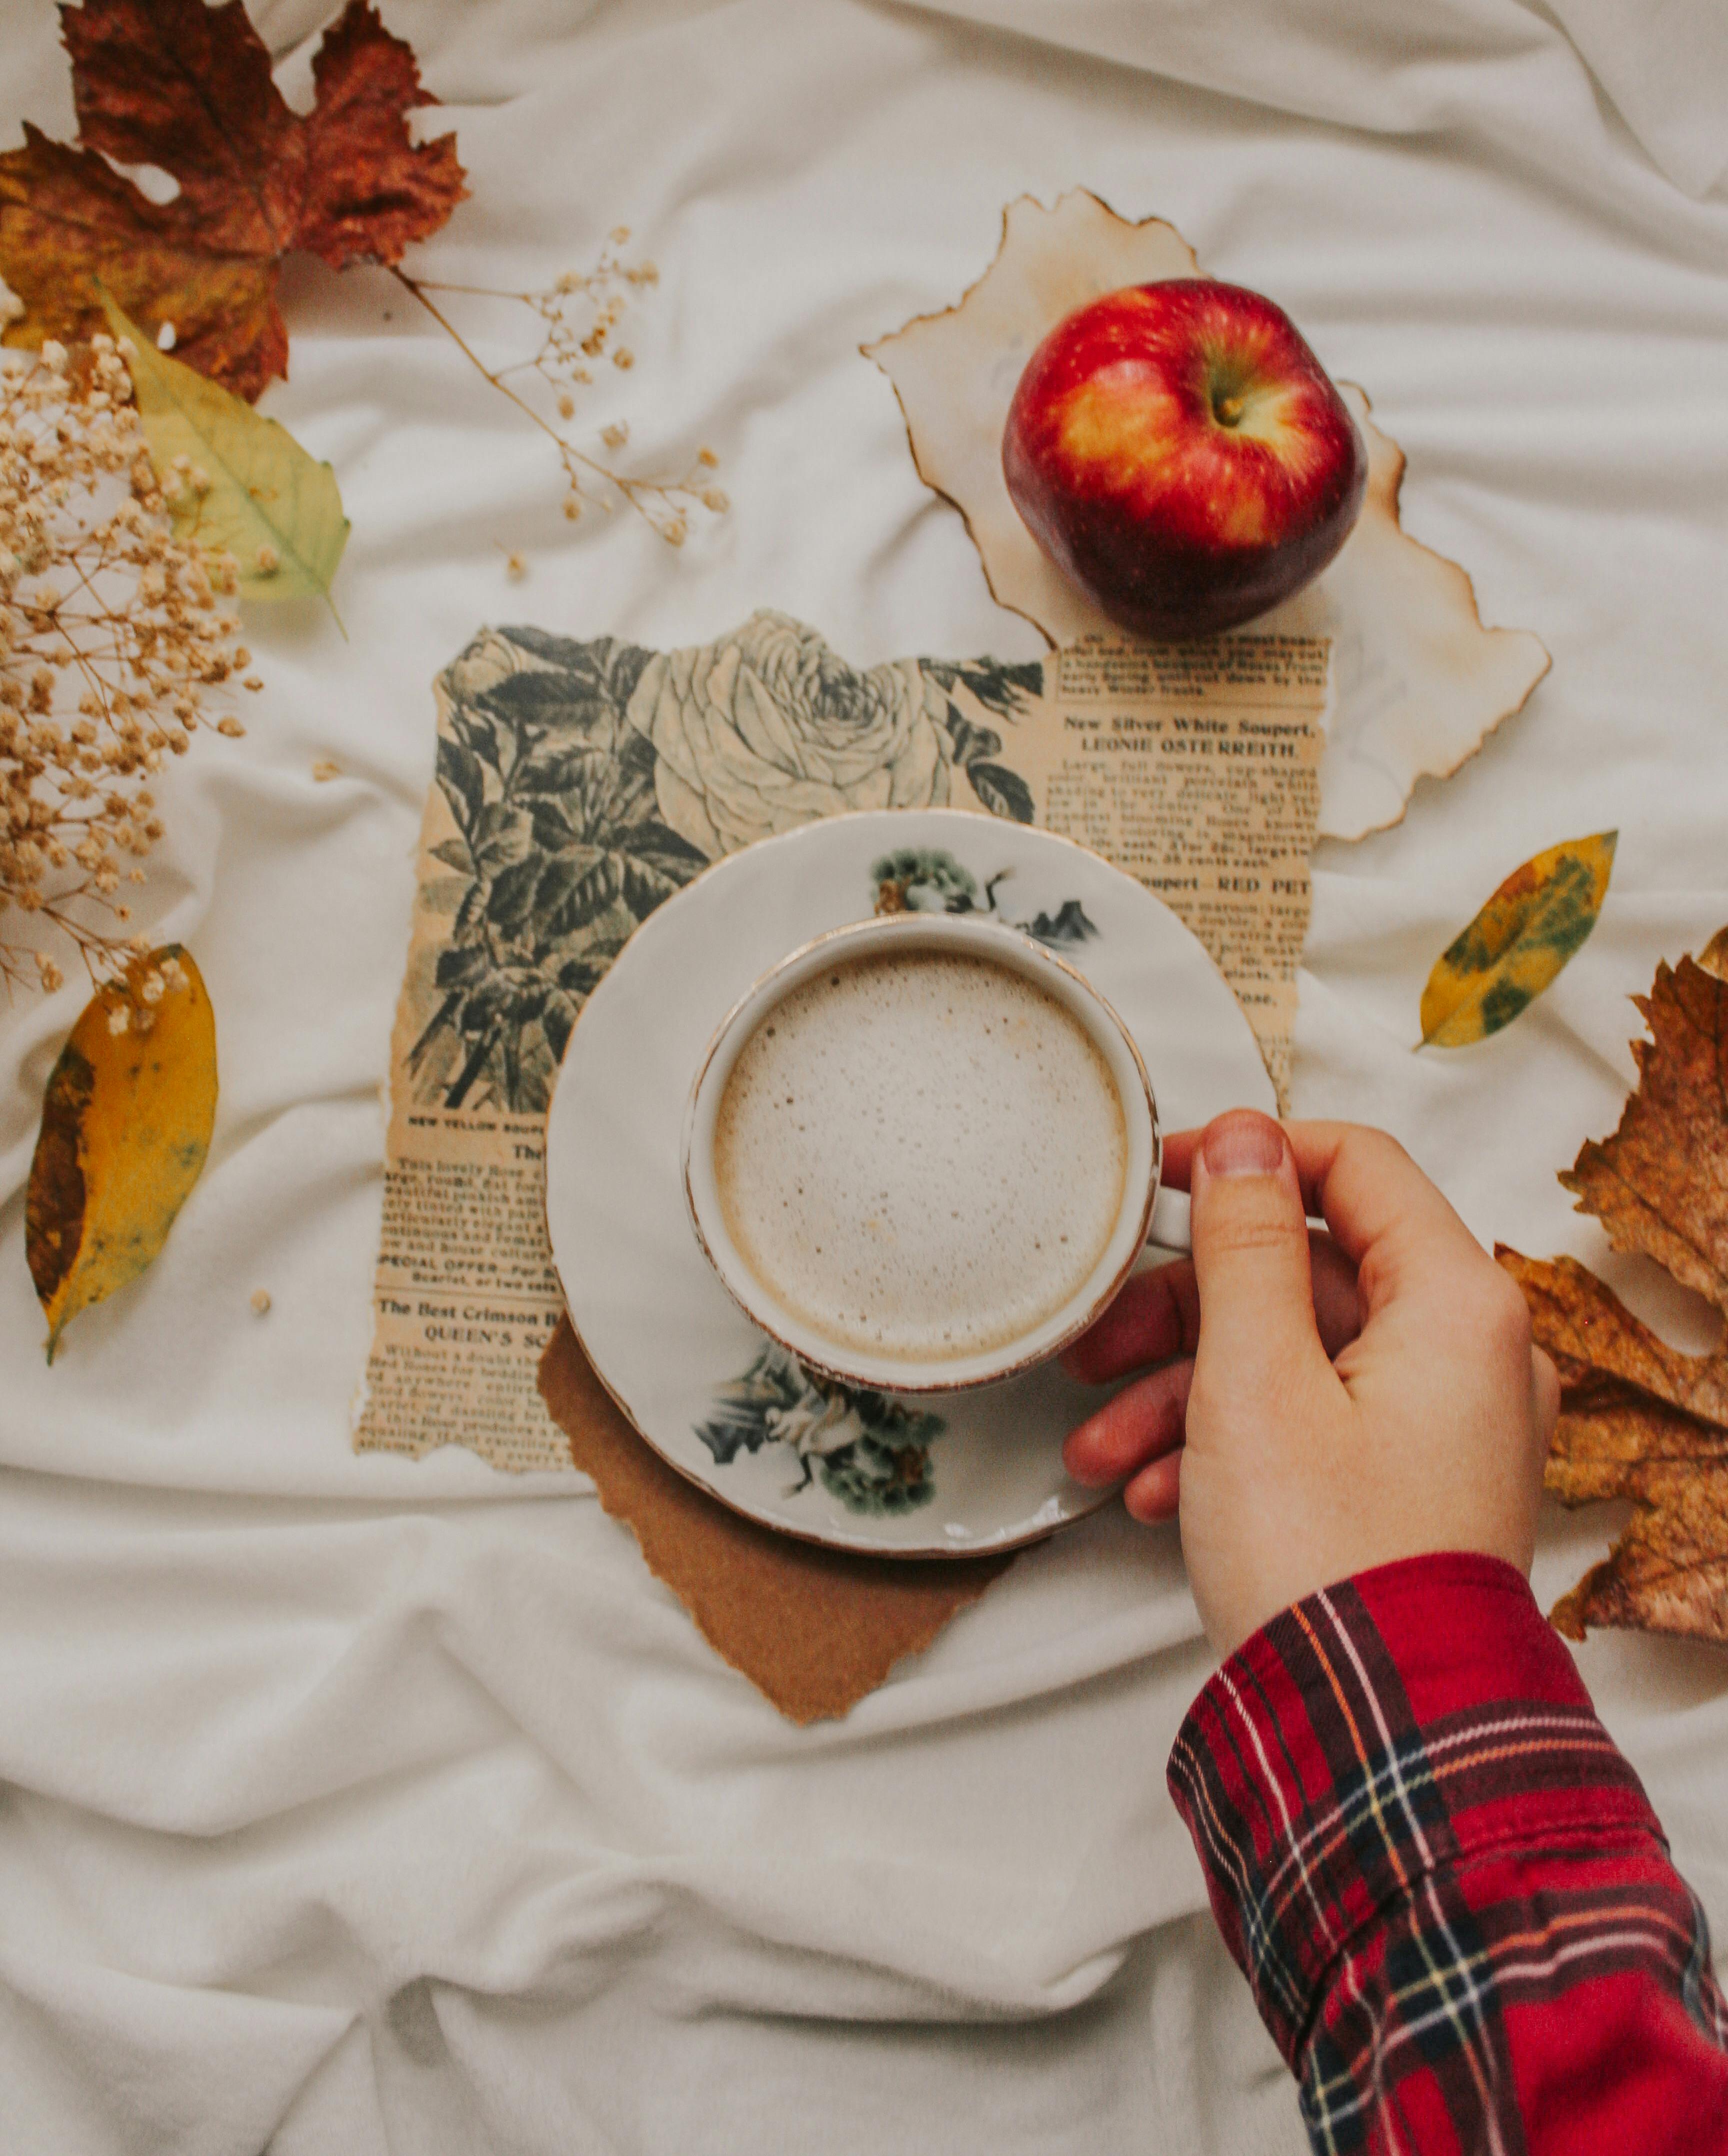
x=1278, y=1571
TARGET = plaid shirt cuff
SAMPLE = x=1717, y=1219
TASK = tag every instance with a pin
x=1354, y=1760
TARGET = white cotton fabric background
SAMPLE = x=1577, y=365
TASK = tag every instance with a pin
x=356, y=1805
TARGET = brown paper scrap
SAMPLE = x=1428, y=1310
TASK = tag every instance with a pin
x=814, y=1629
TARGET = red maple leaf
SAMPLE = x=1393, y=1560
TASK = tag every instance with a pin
x=188, y=87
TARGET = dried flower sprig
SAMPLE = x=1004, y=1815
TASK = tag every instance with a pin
x=580, y=313
x=112, y=637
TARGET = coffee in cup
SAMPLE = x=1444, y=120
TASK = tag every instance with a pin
x=921, y=1155
x=921, y=1152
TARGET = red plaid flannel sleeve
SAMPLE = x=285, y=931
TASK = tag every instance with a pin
x=1445, y=1885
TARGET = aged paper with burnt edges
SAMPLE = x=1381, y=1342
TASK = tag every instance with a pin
x=1418, y=681
x=1195, y=768
x=580, y=784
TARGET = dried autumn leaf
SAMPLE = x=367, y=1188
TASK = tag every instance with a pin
x=1593, y=1335
x=1639, y=1419
x=1661, y=1183
x=1668, y=1572
x=1535, y=922
x=1606, y=1429
x=125, y=1126
x=277, y=511
x=188, y=87
x=67, y=221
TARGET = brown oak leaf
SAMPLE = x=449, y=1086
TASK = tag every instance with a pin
x=187, y=88
x=1661, y=1183
x=1605, y=1432
x=1668, y=1572
x=1641, y=1420
x=1592, y=1335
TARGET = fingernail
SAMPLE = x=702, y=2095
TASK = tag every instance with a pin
x=1245, y=1144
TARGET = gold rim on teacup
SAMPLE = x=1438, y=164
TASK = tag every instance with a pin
x=1010, y=947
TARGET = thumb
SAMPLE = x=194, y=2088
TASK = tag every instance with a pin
x=1259, y=1343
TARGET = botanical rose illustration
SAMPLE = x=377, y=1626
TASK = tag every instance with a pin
x=587, y=782
x=769, y=729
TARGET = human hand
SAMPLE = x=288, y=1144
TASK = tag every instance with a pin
x=1317, y=1408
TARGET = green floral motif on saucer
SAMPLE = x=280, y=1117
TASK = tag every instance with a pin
x=871, y=1452
x=925, y=879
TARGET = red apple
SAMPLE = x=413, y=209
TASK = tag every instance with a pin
x=1178, y=451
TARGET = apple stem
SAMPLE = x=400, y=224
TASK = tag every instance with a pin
x=1228, y=410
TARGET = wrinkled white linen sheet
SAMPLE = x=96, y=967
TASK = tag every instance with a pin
x=356, y=1805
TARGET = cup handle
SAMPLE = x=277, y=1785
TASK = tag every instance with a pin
x=1170, y=1230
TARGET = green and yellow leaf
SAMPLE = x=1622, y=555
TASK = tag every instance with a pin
x=1515, y=946
x=125, y=1126
x=277, y=511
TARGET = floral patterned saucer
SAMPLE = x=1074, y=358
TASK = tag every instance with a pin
x=944, y=1475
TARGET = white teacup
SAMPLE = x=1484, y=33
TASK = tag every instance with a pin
x=1082, y=1046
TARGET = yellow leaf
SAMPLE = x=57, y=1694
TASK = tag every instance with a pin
x=1539, y=915
x=125, y=1126
x=275, y=510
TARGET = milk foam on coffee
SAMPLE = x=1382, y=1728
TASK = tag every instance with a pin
x=922, y=1156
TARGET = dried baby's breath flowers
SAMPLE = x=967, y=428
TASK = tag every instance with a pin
x=580, y=313
x=112, y=637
